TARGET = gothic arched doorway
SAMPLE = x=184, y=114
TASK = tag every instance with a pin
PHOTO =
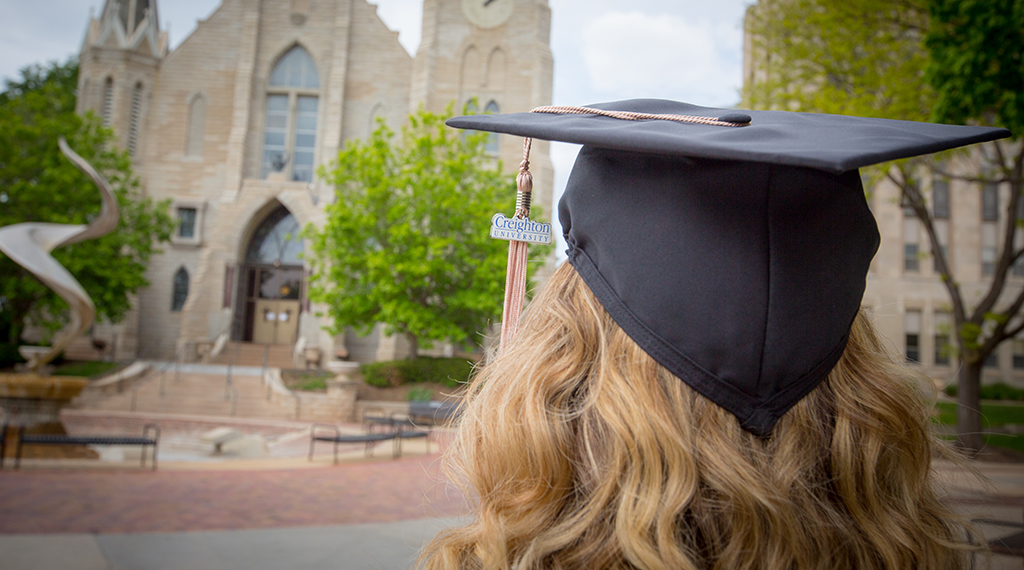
x=272, y=283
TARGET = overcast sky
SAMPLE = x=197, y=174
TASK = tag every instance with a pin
x=604, y=50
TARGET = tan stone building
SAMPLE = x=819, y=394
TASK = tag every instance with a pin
x=232, y=124
x=905, y=294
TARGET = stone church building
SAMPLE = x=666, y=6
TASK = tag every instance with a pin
x=232, y=125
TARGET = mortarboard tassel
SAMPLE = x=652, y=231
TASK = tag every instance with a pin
x=515, y=275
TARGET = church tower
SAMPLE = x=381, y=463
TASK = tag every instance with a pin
x=497, y=54
x=118, y=66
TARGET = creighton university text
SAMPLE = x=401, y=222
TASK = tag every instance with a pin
x=520, y=229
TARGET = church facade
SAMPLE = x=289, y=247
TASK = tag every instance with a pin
x=232, y=125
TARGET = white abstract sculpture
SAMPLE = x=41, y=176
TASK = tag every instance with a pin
x=29, y=245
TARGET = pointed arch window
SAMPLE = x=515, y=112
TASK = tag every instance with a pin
x=491, y=145
x=289, y=131
x=107, y=110
x=196, y=126
x=135, y=119
x=180, y=293
x=277, y=241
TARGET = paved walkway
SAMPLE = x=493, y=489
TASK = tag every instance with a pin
x=280, y=511
x=127, y=501
x=246, y=514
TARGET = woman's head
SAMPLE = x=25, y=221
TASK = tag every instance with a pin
x=583, y=452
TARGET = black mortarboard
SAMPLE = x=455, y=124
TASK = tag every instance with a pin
x=735, y=256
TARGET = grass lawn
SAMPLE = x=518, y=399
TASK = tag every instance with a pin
x=306, y=380
x=85, y=368
x=992, y=415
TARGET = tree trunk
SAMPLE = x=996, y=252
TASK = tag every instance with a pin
x=968, y=412
x=414, y=345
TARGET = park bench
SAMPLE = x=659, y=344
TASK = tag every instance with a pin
x=334, y=435
x=150, y=437
x=433, y=413
x=417, y=415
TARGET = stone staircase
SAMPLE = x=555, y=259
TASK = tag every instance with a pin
x=193, y=393
x=252, y=354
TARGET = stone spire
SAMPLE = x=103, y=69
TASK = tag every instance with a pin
x=131, y=25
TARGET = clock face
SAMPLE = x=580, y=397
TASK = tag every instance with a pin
x=487, y=13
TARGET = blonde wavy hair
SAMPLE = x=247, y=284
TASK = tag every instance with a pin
x=582, y=452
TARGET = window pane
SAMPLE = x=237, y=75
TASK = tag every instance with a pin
x=308, y=105
x=306, y=121
x=276, y=241
x=940, y=198
x=910, y=260
x=180, y=292
x=990, y=202
x=988, y=260
x=913, y=348
x=277, y=121
x=274, y=134
x=992, y=361
x=305, y=139
x=912, y=335
x=941, y=349
x=277, y=103
x=274, y=139
x=295, y=69
x=186, y=222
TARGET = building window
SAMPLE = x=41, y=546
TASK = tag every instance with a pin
x=942, y=347
x=911, y=261
x=992, y=360
x=135, y=119
x=491, y=145
x=186, y=222
x=990, y=202
x=107, y=111
x=289, y=133
x=196, y=126
x=1018, y=353
x=912, y=335
x=189, y=215
x=940, y=199
x=988, y=248
x=942, y=234
x=180, y=290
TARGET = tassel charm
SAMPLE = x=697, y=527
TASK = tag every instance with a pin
x=515, y=276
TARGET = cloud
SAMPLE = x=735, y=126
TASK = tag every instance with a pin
x=633, y=54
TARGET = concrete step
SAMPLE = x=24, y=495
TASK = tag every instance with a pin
x=251, y=354
x=198, y=394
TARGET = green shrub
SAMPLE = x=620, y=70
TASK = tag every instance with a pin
x=85, y=368
x=9, y=356
x=450, y=372
x=999, y=391
x=419, y=394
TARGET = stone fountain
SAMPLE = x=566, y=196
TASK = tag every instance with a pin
x=31, y=397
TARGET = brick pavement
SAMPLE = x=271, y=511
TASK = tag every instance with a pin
x=134, y=501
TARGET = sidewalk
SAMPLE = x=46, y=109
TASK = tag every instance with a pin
x=388, y=546
x=283, y=512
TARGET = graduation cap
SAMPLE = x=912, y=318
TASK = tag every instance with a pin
x=732, y=246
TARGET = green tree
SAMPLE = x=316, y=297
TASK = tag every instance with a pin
x=944, y=60
x=38, y=184
x=406, y=241
x=976, y=69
